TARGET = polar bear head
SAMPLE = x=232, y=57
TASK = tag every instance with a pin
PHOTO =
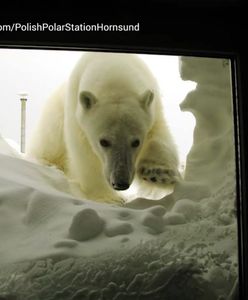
x=116, y=131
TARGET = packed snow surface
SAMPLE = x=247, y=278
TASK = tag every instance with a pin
x=183, y=246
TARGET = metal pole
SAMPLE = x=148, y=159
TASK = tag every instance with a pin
x=23, y=99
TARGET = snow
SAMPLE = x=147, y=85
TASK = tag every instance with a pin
x=183, y=246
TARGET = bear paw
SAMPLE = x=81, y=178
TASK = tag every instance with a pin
x=158, y=174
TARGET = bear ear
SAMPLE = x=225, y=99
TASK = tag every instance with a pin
x=87, y=99
x=147, y=99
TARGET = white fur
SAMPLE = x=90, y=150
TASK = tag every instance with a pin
x=67, y=135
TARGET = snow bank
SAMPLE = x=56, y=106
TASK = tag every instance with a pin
x=184, y=246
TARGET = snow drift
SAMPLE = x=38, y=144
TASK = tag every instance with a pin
x=184, y=246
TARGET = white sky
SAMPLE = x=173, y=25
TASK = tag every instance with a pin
x=39, y=72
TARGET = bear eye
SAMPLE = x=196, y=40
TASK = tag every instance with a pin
x=105, y=143
x=135, y=143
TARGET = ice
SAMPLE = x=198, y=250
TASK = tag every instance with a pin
x=118, y=228
x=154, y=223
x=183, y=246
x=173, y=218
x=188, y=208
x=86, y=224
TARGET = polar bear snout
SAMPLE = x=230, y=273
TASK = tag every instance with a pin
x=120, y=185
x=120, y=180
x=121, y=177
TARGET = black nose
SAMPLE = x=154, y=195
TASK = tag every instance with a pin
x=120, y=186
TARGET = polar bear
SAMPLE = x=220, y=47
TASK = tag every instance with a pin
x=106, y=126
